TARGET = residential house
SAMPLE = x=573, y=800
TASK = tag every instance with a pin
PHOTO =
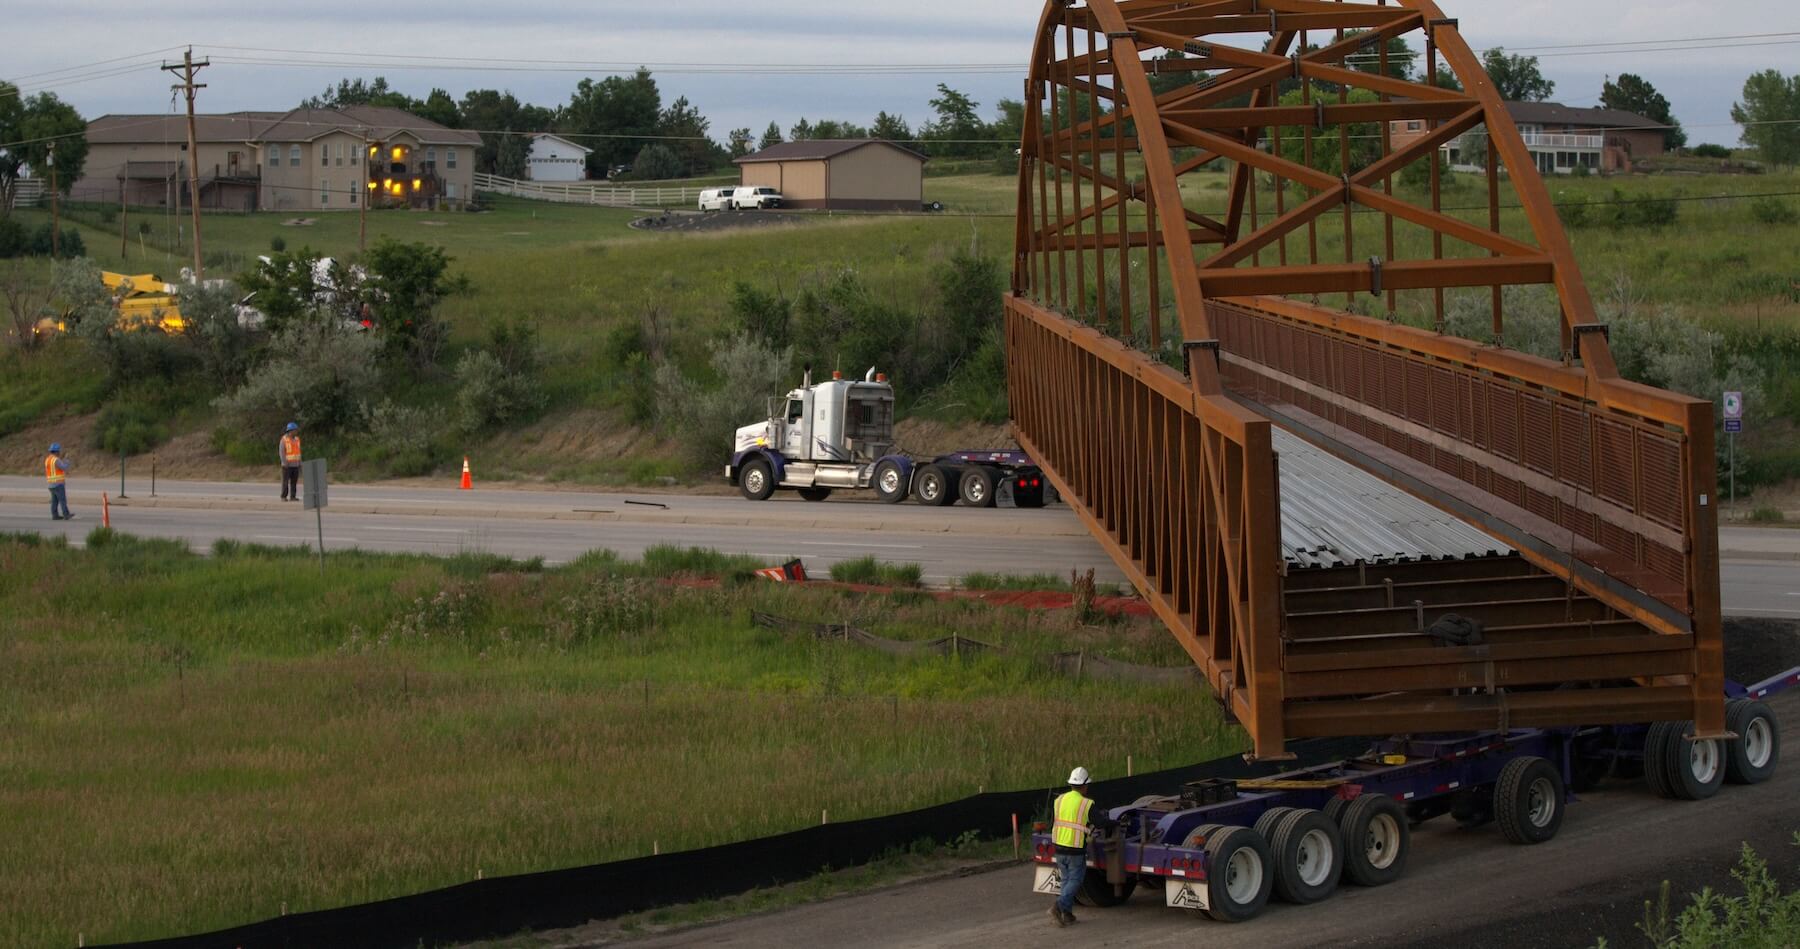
x=863, y=174
x=554, y=158
x=1560, y=138
x=303, y=159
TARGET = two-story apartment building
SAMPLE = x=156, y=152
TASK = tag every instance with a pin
x=303, y=159
x=1560, y=138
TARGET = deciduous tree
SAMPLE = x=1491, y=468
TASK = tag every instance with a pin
x=1632, y=93
x=1770, y=116
x=1517, y=78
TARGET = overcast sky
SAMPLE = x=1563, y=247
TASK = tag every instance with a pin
x=1702, y=84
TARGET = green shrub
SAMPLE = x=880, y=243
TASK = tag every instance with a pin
x=14, y=242
x=489, y=395
x=1762, y=918
x=1573, y=210
x=871, y=572
x=1771, y=210
x=704, y=418
x=277, y=244
x=130, y=428
x=667, y=560
x=319, y=375
x=401, y=438
x=1767, y=515
x=998, y=581
x=762, y=314
x=1711, y=151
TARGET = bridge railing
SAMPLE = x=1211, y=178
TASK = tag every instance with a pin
x=1178, y=485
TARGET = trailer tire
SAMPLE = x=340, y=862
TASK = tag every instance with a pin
x=1750, y=758
x=757, y=480
x=1528, y=800
x=1696, y=768
x=1265, y=825
x=890, y=482
x=976, y=487
x=1308, y=851
x=1334, y=810
x=1239, y=874
x=1656, y=769
x=1098, y=893
x=1376, y=840
x=934, y=487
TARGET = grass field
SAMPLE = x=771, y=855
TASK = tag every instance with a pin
x=193, y=742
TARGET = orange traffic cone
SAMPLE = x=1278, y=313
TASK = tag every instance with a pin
x=467, y=485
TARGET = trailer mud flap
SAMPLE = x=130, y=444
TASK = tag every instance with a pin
x=1186, y=894
x=1047, y=880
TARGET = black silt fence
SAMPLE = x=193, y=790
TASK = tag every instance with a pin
x=503, y=906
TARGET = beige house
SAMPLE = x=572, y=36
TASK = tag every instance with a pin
x=850, y=174
x=304, y=159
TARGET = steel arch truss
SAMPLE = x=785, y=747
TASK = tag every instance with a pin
x=1333, y=142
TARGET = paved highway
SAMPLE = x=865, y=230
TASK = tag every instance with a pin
x=559, y=526
x=1761, y=566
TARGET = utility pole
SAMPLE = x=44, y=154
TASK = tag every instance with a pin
x=188, y=86
x=55, y=217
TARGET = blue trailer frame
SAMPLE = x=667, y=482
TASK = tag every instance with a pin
x=1225, y=847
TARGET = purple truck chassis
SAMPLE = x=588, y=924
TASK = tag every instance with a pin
x=1224, y=848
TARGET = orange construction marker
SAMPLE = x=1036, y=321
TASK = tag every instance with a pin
x=467, y=485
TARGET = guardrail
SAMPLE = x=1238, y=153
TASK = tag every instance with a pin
x=586, y=192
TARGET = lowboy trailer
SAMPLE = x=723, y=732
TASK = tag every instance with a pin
x=1223, y=848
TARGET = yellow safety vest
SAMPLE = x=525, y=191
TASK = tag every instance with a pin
x=290, y=449
x=52, y=473
x=1071, y=828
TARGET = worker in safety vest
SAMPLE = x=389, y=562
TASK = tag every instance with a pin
x=56, y=474
x=1075, y=820
x=290, y=462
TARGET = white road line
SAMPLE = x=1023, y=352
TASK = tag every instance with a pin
x=420, y=530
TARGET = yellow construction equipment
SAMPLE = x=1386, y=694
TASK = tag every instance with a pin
x=145, y=301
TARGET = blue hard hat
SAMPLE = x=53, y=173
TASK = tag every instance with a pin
x=293, y=426
x=56, y=448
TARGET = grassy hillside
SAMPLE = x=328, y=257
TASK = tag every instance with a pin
x=578, y=273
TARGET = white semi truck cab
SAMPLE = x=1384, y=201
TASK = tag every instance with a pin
x=839, y=434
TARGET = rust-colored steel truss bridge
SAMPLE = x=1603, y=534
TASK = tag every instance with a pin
x=1238, y=213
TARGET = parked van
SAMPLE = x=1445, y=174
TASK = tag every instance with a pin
x=755, y=197
x=716, y=199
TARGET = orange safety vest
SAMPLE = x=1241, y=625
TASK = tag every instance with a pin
x=290, y=449
x=52, y=473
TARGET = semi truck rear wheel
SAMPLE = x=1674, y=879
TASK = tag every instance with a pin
x=1528, y=800
x=757, y=481
x=1375, y=840
x=977, y=487
x=1696, y=768
x=1238, y=877
x=1308, y=850
x=1750, y=757
x=933, y=487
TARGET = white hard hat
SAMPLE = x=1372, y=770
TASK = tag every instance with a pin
x=1078, y=777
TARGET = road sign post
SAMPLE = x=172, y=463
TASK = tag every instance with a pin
x=1734, y=423
x=312, y=492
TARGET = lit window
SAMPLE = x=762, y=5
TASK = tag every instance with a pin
x=293, y=156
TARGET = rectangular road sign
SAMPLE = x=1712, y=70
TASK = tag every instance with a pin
x=312, y=481
x=1734, y=425
x=1734, y=405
